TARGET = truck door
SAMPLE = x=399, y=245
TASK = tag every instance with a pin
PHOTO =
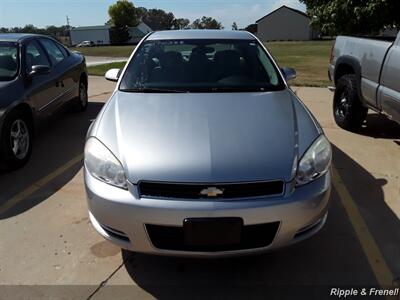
x=389, y=90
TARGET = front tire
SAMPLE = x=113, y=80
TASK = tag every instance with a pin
x=15, y=140
x=348, y=111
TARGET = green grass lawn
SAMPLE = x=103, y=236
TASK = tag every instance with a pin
x=309, y=59
x=101, y=70
x=108, y=51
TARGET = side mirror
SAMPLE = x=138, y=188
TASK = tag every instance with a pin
x=39, y=70
x=289, y=73
x=113, y=74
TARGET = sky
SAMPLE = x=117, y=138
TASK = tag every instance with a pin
x=42, y=13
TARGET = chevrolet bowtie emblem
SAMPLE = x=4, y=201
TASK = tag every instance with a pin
x=212, y=192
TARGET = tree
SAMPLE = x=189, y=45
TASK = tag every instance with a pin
x=234, y=26
x=123, y=15
x=334, y=17
x=206, y=23
x=53, y=31
x=56, y=31
x=29, y=28
x=157, y=19
x=119, y=35
x=181, y=24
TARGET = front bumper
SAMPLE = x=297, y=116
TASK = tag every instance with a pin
x=331, y=73
x=120, y=216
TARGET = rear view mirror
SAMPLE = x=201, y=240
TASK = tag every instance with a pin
x=39, y=70
x=289, y=73
x=113, y=74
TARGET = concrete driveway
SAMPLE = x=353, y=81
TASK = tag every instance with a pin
x=49, y=250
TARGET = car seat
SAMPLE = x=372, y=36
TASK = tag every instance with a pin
x=226, y=64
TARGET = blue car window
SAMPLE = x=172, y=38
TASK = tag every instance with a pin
x=34, y=56
x=8, y=61
x=55, y=54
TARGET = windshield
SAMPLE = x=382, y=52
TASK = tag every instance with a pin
x=8, y=61
x=201, y=66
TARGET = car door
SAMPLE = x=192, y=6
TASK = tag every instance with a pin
x=65, y=80
x=41, y=89
x=389, y=90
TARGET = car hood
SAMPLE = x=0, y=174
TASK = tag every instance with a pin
x=221, y=137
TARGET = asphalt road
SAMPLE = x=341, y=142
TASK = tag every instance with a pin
x=48, y=248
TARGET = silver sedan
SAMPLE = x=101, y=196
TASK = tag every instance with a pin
x=203, y=150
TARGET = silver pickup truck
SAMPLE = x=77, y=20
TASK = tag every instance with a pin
x=366, y=74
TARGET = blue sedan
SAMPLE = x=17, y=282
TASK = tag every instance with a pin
x=38, y=76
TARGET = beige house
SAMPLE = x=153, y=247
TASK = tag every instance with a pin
x=285, y=24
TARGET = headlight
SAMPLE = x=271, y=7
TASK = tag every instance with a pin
x=315, y=162
x=103, y=165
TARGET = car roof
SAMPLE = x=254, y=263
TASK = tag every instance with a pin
x=17, y=37
x=201, y=34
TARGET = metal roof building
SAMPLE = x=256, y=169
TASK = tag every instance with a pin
x=100, y=35
x=285, y=24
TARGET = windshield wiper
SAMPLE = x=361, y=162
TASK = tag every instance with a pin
x=153, y=90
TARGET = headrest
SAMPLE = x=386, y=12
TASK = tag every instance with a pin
x=228, y=58
x=171, y=58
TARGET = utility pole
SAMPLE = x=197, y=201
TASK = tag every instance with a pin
x=68, y=30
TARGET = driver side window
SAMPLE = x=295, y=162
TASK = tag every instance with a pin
x=55, y=54
x=34, y=56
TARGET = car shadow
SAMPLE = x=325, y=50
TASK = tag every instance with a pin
x=307, y=270
x=58, y=141
x=379, y=126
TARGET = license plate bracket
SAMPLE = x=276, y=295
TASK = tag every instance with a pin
x=212, y=231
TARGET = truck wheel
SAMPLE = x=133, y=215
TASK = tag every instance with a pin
x=348, y=111
x=15, y=141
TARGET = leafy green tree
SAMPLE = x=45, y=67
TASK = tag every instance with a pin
x=181, y=24
x=123, y=15
x=333, y=17
x=234, y=26
x=206, y=23
x=29, y=29
x=119, y=35
x=157, y=19
x=54, y=31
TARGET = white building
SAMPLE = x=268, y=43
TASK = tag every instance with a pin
x=98, y=34
x=285, y=24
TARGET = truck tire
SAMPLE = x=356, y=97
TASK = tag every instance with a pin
x=348, y=111
x=15, y=140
